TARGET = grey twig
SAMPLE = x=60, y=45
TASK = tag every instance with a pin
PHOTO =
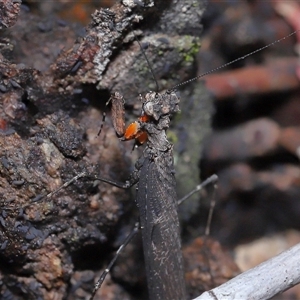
x=264, y=281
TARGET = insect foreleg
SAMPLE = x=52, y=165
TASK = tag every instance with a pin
x=126, y=185
x=133, y=179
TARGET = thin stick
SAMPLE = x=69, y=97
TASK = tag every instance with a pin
x=263, y=281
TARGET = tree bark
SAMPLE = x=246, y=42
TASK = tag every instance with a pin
x=50, y=114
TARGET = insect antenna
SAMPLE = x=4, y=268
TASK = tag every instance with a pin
x=148, y=62
x=235, y=60
x=118, y=101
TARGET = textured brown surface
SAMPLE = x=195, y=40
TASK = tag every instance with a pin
x=55, y=248
x=207, y=265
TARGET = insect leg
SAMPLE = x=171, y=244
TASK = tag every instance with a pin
x=49, y=195
x=128, y=183
x=212, y=179
x=211, y=207
x=80, y=175
x=102, y=123
x=107, y=270
x=133, y=179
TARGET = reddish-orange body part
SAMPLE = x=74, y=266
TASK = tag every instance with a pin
x=142, y=137
x=133, y=132
x=144, y=118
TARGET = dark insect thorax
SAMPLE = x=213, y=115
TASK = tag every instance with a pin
x=157, y=202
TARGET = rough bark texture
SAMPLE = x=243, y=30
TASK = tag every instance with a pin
x=49, y=118
x=9, y=10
